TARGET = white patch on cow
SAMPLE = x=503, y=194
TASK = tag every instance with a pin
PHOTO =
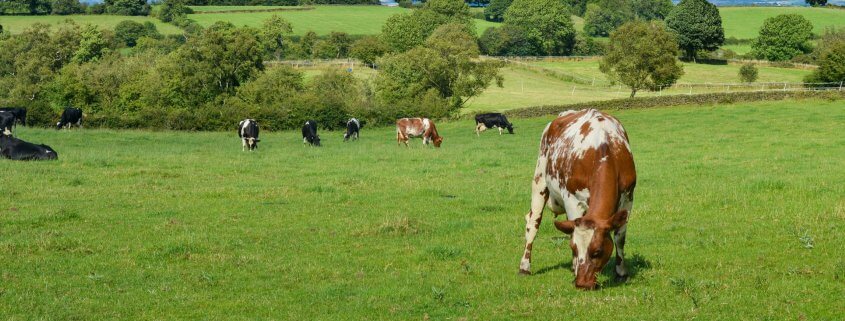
x=49, y=151
x=575, y=204
x=357, y=123
x=7, y=132
x=600, y=132
x=603, y=159
x=566, y=112
x=581, y=237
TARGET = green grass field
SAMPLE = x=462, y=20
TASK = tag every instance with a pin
x=745, y=22
x=738, y=215
x=358, y=20
x=17, y=24
x=229, y=8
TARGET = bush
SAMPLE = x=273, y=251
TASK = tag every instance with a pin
x=587, y=46
x=748, y=73
x=507, y=41
x=831, y=65
x=127, y=32
x=368, y=49
x=783, y=37
x=128, y=7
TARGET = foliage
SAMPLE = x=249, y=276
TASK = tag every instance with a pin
x=816, y=3
x=577, y=7
x=368, y=49
x=783, y=37
x=507, y=40
x=446, y=65
x=604, y=16
x=273, y=33
x=127, y=7
x=748, y=73
x=128, y=32
x=587, y=46
x=92, y=45
x=171, y=10
x=642, y=55
x=698, y=26
x=402, y=32
x=651, y=9
x=31, y=7
x=307, y=43
x=66, y=7
x=496, y=10
x=546, y=22
x=831, y=65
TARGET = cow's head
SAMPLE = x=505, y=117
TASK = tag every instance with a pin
x=252, y=142
x=58, y=125
x=510, y=128
x=437, y=141
x=591, y=245
x=316, y=140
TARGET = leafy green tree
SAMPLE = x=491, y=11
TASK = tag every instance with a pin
x=783, y=37
x=507, y=40
x=171, y=10
x=586, y=46
x=652, y=9
x=128, y=32
x=92, y=45
x=128, y=7
x=65, y=7
x=748, y=73
x=405, y=31
x=816, y=3
x=831, y=65
x=578, y=7
x=273, y=33
x=342, y=42
x=368, y=49
x=642, y=55
x=307, y=43
x=31, y=59
x=698, y=26
x=605, y=16
x=496, y=10
x=546, y=22
x=446, y=65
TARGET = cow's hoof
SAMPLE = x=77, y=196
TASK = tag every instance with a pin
x=621, y=278
x=524, y=272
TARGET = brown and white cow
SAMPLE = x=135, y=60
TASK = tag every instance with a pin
x=416, y=127
x=585, y=169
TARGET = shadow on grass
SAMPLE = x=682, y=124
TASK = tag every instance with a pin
x=559, y=266
x=635, y=264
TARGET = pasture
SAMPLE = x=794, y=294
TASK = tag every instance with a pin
x=738, y=215
x=745, y=22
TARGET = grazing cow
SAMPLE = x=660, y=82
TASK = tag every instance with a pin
x=309, y=133
x=7, y=122
x=248, y=132
x=70, y=116
x=585, y=169
x=492, y=120
x=353, y=127
x=16, y=149
x=20, y=113
x=417, y=127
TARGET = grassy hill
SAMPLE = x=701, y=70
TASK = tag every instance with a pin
x=729, y=217
x=745, y=22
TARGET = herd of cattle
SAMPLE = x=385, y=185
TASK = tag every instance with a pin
x=406, y=128
x=585, y=170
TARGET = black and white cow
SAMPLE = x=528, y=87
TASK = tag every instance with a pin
x=492, y=120
x=16, y=149
x=71, y=116
x=20, y=113
x=248, y=132
x=7, y=123
x=353, y=128
x=309, y=133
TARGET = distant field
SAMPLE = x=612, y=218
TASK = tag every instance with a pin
x=740, y=49
x=16, y=24
x=745, y=22
x=357, y=20
x=738, y=215
x=230, y=8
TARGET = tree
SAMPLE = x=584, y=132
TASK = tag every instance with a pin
x=128, y=32
x=642, y=55
x=831, y=65
x=816, y=3
x=496, y=10
x=128, y=7
x=577, y=7
x=405, y=31
x=65, y=7
x=171, y=10
x=368, y=49
x=783, y=37
x=605, y=16
x=698, y=26
x=273, y=33
x=342, y=42
x=92, y=45
x=748, y=73
x=445, y=66
x=307, y=43
x=546, y=22
x=507, y=40
x=652, y=9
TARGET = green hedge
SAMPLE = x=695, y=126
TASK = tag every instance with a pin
x=677, y=100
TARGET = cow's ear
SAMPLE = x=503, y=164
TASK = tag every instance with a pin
x=619, y=219
x=565, y=226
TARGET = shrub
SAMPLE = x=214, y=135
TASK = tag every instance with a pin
x=128, y=32
x=831, y=65
x=748, y=73
x=783, y=37
x=368, y=49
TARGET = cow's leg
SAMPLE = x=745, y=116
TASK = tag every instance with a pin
x=619, y=241
x=539, y=196
x=500, y=131
x=478, y=130
x=243, y=144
